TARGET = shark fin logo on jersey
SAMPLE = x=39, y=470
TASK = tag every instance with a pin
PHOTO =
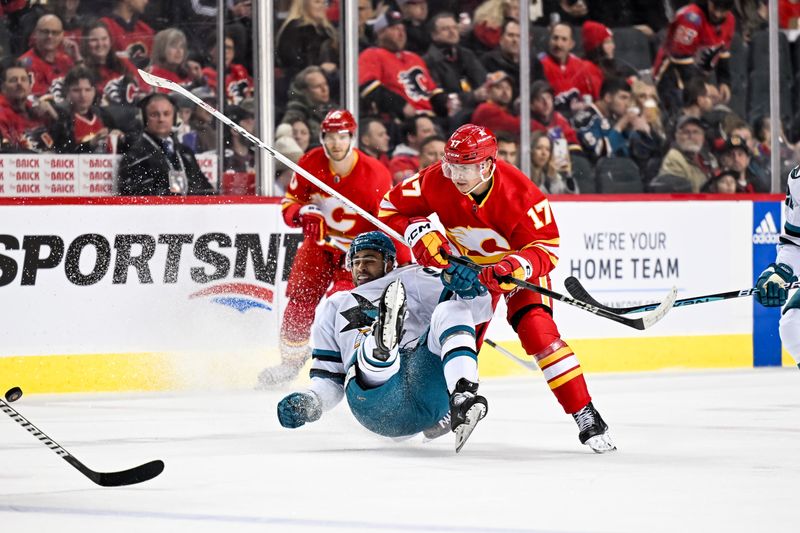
x=767, y=231
x=361, y=315
x=413, y=82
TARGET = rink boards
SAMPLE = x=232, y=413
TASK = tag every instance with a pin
x=110, y=294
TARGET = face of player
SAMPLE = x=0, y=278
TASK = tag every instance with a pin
x=301, y=134
x=507, y=152
x=431, y=153
x=160, y=117
x=561, y=42
x=393, y=38
x=542, y=106
x=17, y=84
x=501, y=93
x=469, y=178
x=376, y=137
x=175, y=52
x=337, y=144
x=81, y=95
x=99, y=43
x=540, y=155
x=446, y=31
x=49, y=34
x=318, y=89
x=367, y=266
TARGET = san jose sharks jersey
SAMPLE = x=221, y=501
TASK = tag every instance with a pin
x=345, y=319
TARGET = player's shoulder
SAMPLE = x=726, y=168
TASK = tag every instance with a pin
x=372, y=165
x=793, y=182
x=512, y=183
x=313, y=155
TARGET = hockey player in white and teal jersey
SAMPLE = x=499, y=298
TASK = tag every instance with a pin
x=772, y=283
x=398, y=347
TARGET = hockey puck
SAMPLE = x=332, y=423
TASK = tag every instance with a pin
x=13, y=394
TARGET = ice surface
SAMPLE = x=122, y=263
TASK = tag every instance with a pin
x=711, y=451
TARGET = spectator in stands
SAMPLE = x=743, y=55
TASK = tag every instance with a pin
x=646, y=16
x=373, y=139
x=788, y=14
x=688, y=157
x=561, y=67
x=307, y=38
x=456, y=69
x=415, y=17
x=599, y=61
x=23, y=119
x=697, y=43
x=573, y=12
x=405, y=158
x=753, y=15
x=309, y=99
x=202, y=136
x=83, y=127
x=366, y=37
x=238, y=83
x=431, y=150
x=168, y=58
x=73, y=22
x=240, y=27
x=14, y=11
x=156, y=165
x=130, y=35
x=506, y=56
x=393, y=80
x=696, y=99
x=45, y=62
x=489, y=22
x=285, y=144
x=551, y=176
x=495, y=113
x=736, y=156
x=301, y=131
x=789, y=153
x=240, y=158
x=117, y=81
x=645, y=97
x=722, y=183
x=507, y=148
x=545, y=118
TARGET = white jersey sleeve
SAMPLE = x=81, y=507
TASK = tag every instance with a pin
x=789, y=247
x=327, y=370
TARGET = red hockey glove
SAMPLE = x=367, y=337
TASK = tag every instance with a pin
x=313, y=222
x=427, y=243
x=512, y=266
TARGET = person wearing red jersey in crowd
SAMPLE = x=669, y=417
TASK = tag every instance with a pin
x=495, y=216
x=328, y=227
x=599, y=61
x=116, y=79
x=561, y=67
x=23, y=118
x=393, y=80
x=45, y=62
x=130, y=37
x=238, y=83
x=82, y=127
x=168, y=59
x=788, y=14
x=495, y=113
x=489, y=20
x=698, y=42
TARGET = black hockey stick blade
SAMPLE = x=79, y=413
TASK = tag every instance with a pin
x=574, y=287
x=131, y=476
x=644, y=322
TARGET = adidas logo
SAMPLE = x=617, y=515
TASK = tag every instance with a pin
x=767, y=231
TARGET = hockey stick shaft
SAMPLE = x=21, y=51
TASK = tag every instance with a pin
x=530, y=365
x=576, y=289
x=639, y=323
x=157, y=81
x=138, y=474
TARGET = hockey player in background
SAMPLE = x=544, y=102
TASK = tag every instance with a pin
x=772, y=291
x=328, y=227
x=495, y=215
x=400, y=350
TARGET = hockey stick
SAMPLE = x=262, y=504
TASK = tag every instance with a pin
x=637, y=323
x=577, y=290
x=134, y=475
x=527, y=364
x=157, y=81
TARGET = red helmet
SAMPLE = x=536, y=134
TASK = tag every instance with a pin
x=470, y=145
x=339, y=120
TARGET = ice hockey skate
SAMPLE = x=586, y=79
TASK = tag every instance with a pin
x=593, y=430
x=467, y=408
x=388, y=328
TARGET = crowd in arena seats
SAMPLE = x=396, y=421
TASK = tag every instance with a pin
x=625, y=95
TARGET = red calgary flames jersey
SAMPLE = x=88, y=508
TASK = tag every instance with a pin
x=562, y=78
x=513, y=217
x=691, y=38
x=404, y=73
x=365, y=185
x=43, y=73
x=133, y=40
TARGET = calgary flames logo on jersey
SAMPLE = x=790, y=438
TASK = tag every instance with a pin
x=413, y=82
x=483, y=241
x=338, y=216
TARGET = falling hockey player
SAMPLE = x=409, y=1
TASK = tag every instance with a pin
x=493, y=214
x=405, y=360
x=771, y=284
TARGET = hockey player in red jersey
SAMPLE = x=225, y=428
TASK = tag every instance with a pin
x=328, y=227
x=698, y=41
x=495, y=215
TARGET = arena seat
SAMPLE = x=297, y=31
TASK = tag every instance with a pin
x=617, y=175
x=668, y=183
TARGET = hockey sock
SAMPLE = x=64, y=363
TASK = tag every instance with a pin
x=373, y=372
x=452, y=337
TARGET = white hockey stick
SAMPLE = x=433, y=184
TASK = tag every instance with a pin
x=157, y=81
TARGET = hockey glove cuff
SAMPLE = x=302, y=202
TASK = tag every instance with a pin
x=298, y=408
x=511, y=266
x=427, y=243
x=313, y=222
x=463, y=281
x=771, y=285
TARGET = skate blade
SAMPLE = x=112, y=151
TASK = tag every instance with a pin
x=601, y=443
x=394, y=298
x=474, y=415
